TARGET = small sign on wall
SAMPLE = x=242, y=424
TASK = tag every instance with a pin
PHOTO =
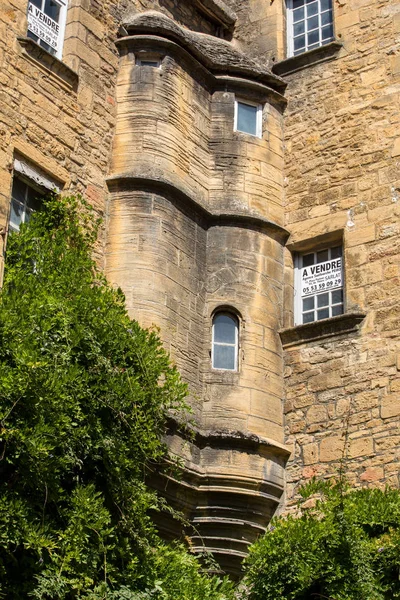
x=321, y=277
x=43, y=26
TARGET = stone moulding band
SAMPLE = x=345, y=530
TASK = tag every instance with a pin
x=230, y=439
x=260, y=89
x=171, y=190
x=215, y=54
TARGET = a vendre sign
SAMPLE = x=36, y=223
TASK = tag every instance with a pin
x=43, y=26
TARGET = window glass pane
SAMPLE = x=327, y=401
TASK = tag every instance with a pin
x=28, y=214
x=298, y=15
x=308, y=303
x=308, y=317
x=313, y=46
x=308, y=259
x=336, y=252
x=323, y=314
x=299, y=42
x=337, y=296
x=312, y=23
x=326, y=18
x=31, y=35
x=224, y=329
x=298, y=28
x=37, y=3
x=326, y=5
x=52, y=9
x=327, y=32
x=337, y=310
x=224, y=357
x=312, y=9
x=16, y=213
x=247, y=118
x=297, y=3
x=149, y=63
x=47, y=47
x=323, y=300
x=322, y=256
x=313, y=37
x=34, y=199
x=18, y=190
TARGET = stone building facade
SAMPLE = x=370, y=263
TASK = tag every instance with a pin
x=245, y=156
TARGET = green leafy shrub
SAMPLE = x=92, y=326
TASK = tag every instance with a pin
x=86, y=394
x=343, y=546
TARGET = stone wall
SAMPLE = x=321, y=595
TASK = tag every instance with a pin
x=59, y=116
x=343, y=179
x=195, y=226
x=261, y=29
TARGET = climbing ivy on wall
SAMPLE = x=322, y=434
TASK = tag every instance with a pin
x=85, y=395
x=343, y=545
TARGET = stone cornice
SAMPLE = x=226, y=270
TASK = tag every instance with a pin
x=59, y=71
x=227, y=439
x=217, y=55
x=319, y=330
x=155, y=182
x=218, y=11
x=307, y=59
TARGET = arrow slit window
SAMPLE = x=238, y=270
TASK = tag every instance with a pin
x=319, y=285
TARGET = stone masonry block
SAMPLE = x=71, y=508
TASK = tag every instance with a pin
x=331, y=448
x=390, y=406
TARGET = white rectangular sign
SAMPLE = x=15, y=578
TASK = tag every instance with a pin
x=43, y=26
x=321, y=277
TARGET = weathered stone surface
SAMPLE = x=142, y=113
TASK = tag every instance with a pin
x=341, y=170
x=196, y=215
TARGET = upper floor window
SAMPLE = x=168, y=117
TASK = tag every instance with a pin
x=25, y=199
x=319, y=285
x=248, y=118
x=29, y=186
x=225, y=342
x=310, y=24
x=46, y=24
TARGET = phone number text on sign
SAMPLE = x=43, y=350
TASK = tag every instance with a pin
x=321, y=277
x=43, y=26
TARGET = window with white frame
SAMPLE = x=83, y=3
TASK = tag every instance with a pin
x=310, y=25
x=29, y=186
x=248, y=117
x=225, y=342
x=25, y=199
x=46, y=24
x=319, y=285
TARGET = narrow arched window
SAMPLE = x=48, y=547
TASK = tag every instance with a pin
x=225, y=342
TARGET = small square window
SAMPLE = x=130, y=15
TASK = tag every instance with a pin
x=148, y=63
x=248, y=118
x=319, y=285
x=46, y=24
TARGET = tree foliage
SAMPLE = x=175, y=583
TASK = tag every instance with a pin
x=345, y=545
x=85, y=395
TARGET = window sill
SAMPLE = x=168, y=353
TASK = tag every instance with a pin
x=222, y=376
x=59, y=70
x=319, y=330
x=312, y=57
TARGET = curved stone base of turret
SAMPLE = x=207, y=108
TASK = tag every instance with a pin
x=225, y=508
